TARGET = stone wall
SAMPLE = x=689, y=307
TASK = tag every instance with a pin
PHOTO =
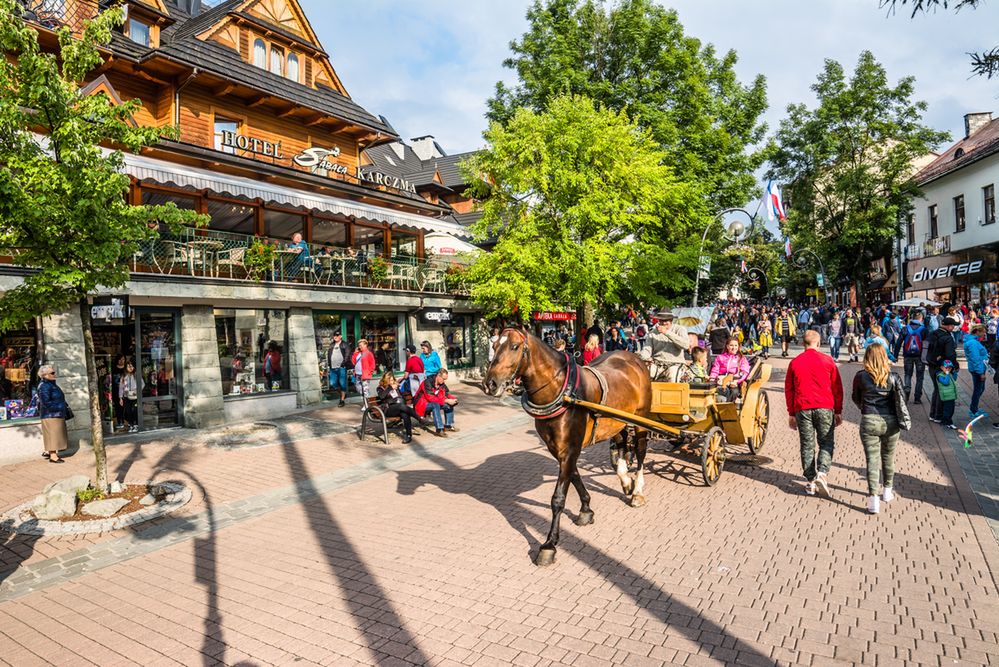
x=303, y=359
x=63, y=336
x=203, y=405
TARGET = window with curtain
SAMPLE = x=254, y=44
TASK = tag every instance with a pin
x=138, y=32
x=282, y=224
x=225, y=125
x=277, y=61
x=292, y=72
x=260, y=54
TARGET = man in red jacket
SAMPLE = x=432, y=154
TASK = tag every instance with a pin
x=814, y=395
x=364, y=369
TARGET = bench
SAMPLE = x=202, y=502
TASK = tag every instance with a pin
x=374, y=415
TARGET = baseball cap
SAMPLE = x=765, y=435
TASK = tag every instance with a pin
x=947, y=363
x=337, y=334
x=411, y=348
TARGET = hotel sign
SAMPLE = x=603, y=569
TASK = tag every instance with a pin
x=242, y=142
x=319, y=159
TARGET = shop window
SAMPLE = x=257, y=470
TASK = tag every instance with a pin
x=292, y=72
x=989, y=197
x=260, y=53
x=932, y=213
x=232, y=217
x=283, y=225
x=138, y=32
x=19, y=365
x=245, y=338
x=403, y=245
x=382, y=332
x=225, y=125
x=369, y=240
x=959, y=213
x=910, y=229
x=277, y=61
x=329, y=232
x=458, y=348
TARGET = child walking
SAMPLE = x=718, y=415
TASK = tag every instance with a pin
x=947, y=393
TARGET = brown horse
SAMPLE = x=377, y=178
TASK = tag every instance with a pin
x=547, y=376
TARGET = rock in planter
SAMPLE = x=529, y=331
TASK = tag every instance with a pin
x=147, y=500
x=160, y=489
x=117, y=487
x=104, y=508
x=54, y=504
x=69, y=485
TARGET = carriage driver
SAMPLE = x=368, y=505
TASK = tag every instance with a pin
x=667, y=343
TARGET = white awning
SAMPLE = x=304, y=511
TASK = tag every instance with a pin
x=168, y=173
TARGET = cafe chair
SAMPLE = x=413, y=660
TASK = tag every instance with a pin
x=232, y=258
x=179, y=253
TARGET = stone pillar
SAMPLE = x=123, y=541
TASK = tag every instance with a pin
x=303, y=359
x=203, y=406
x=63, y=336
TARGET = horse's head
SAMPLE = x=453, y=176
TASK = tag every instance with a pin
x=508, y=362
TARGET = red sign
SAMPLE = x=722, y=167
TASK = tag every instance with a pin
x=553, y=316
x=446, y=251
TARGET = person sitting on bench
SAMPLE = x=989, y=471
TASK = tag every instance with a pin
x=394, y=405
x=730, y=371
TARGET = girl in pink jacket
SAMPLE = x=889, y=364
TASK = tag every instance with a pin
x=731, y=362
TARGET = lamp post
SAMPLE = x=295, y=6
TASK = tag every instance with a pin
x=735, y=230
x=799, y=259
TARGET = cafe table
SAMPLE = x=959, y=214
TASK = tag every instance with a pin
x=205, y=248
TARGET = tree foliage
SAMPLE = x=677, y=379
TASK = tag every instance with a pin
x=983, y=63
x=635, y=57
x=579, y=198
x=64, y=214
x=848, y=164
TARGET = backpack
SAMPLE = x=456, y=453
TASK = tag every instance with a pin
x=913, y=344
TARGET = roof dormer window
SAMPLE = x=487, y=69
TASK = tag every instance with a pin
x=277, y=60
x=260, y=53
x=138, y=32
x=292, y=71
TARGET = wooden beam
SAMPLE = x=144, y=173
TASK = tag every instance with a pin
x=224, y=90
x=257, y=101
x=145, y=75
x=316, y=120
x=289, y=112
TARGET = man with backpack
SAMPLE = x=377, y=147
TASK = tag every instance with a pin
x=891, y=329
x=940, y=347
x=912, y=355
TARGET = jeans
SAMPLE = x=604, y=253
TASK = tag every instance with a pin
x=440, y=421
x=896, y=346
x=909, y=365
x=834, y=343
x=815, y=425
x=977, y=390
x=879, y=435
x=947, y=412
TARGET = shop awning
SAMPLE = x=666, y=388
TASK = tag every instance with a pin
x=166, y=173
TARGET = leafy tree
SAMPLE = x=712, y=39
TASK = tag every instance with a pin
x=848, y=164
x=63, y=209
x=584, y=205
x=984, y=63
x=635, y=57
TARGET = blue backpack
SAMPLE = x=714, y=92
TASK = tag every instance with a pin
x=913, y=344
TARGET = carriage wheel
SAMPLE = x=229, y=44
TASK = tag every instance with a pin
x=712, y=455
x=760, y=422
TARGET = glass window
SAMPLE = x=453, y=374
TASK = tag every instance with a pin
x=232, y=217
x=260, y=54
x=932, y=212
x=225, y=125
x=329, y=231
x=138, y=32
x=959, y=213
x=989, y=196
x=158, y=198
x=18, y=370
x=381, y=331
x=911, y=229
x=458, y=348
x=277, y=60
x=369, y=239
x=251, y=347
x=283, y=225
x=292, y=72
x=403, y=244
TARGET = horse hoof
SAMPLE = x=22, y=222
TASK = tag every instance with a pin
x=628, y=488
x=584, y=518
x=545, y=558
x=637, y=500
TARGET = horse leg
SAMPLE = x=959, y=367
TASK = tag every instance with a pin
x=546, y=555
x=585, y=517
x=641, y=446
x=627, y=484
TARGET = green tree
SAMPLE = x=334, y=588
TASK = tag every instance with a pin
x=634, y=56
x=64, y=215
x=983, y=63
x=848, y=165
x=582, y=204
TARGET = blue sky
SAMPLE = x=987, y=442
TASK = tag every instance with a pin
x=429, y=67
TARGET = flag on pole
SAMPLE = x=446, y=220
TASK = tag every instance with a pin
x=787, y=247
x=774, y=204
x=744, y=267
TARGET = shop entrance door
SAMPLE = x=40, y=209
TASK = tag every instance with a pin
x=161, y=387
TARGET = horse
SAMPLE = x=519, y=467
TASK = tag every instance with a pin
x=616, y=379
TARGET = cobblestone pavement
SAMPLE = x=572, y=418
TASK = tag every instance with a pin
x=325, y=550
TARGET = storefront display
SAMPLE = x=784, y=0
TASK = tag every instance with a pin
x=459, y=347
x=382, y=333
x=245, y=337
x=19, y=365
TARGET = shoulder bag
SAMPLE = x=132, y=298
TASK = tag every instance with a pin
x=901, y=409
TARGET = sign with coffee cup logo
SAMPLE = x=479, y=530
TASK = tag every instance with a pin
x=436, y=315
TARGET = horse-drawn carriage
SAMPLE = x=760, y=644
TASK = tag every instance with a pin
x=692, y=419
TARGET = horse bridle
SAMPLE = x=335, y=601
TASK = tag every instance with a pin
x=555, y=407
x=524, y=356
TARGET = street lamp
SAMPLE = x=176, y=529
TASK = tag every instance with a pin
x=734, y=231
x=799, y=259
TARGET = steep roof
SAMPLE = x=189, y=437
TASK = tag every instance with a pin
x=204, y=21
x=981, y=144
x=449, y=168
x=418, y=171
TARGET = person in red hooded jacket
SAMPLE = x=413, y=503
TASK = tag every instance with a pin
x=434, y=397
x=364, y=370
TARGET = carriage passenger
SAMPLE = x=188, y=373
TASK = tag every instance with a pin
x=698, y=365
x=730, y=370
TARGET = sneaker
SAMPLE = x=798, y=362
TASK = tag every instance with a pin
x=934, y=420
x=822, y=486
x=451, y=428
x=341, y=404
x=133, y=429
x=995, y=424
x=950, y=426
x=874, y=505
x=810, y=488
x=887, y=494
x=917, y=401
x=980, y=413
x=440, y=433
x=408, y=439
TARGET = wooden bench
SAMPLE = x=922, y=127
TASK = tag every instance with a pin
x=374, y=415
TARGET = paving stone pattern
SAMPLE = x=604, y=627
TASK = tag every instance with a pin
x=428, y=562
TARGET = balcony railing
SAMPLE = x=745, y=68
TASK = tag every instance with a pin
x=224, y=255
x=54, y=14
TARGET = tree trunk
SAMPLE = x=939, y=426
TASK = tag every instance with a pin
x=96, y=425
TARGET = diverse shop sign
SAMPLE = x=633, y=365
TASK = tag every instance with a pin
x=553, y=316
x=436, y=315
x=378, y=178
x=319, y=158
x=230, y=139
x=968, y=267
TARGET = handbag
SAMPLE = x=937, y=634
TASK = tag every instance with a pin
x=901, y=410
x=69, y=413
